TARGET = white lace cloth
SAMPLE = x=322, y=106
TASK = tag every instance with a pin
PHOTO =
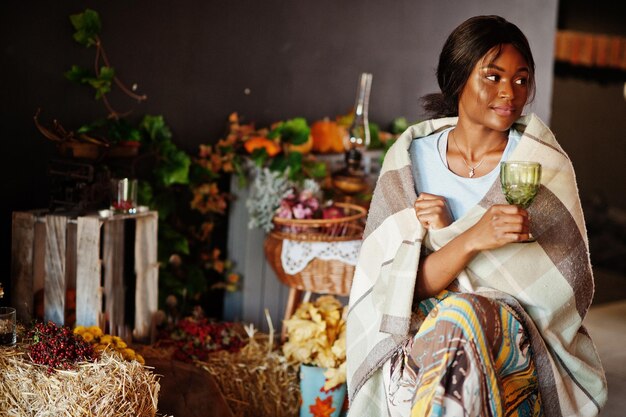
x=296, y=255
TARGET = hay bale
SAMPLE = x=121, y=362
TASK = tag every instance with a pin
x=110, y=387
x=256, y=381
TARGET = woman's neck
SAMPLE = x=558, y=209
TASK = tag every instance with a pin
x=474, y=151
x=476, y=141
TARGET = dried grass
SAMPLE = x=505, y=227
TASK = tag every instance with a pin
x=256, y=381
x=110, y=387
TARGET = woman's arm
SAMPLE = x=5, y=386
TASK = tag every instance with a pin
x=501, y=224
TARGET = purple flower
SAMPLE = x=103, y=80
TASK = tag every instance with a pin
x=312, y=203
x=284, y=211
x=302, y=212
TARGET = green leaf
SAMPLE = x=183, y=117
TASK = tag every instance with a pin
x=399, y=125
x=172, y=240
x=279, y=163
x=144, y=194
x=240, y=172
x=106, y=73
x=87, y=26
x=165, y=204
x=276, y=132
x=375, y=142
x=181, y=244
x=122, y=130
x=259, y=156
x=294, y=162
x=295, y=131
x=156, y=128
x=95, y=125
x=294, y=159
x=199, y=174
x=169, y=281
x=196, y=281
x=133, y=135
x=175, y=168
x=102, y=84
x=78, y=74
x=226, y=149
x=317, y=169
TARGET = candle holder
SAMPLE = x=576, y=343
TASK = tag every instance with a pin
x=7, y=326
x=124, y=195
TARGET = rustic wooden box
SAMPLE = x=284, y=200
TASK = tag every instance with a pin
x=56, y=252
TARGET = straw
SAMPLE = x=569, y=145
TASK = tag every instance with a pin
x=110, y=387
x=256, y=381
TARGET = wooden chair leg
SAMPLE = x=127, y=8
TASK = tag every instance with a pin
x=293, y=301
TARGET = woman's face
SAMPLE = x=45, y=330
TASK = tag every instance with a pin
x=496, y=91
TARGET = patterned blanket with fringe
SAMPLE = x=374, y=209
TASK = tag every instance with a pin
x=549, y=283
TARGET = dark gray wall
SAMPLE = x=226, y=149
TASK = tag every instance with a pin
x=196, y=58
x=589, y=108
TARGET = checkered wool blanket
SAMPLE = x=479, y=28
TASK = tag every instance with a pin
x=549, y=283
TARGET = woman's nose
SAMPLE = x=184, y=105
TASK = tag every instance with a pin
x=506, y=90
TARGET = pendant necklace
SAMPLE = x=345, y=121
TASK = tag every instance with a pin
x=471, y=168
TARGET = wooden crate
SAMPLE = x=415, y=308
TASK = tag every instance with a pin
x=56, y=252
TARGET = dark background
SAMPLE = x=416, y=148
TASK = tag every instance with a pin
x=196, y=59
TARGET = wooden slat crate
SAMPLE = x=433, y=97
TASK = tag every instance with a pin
x=56, y=252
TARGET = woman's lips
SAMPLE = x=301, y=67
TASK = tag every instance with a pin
x=504, y=110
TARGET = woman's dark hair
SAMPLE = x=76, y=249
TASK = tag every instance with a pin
x=465, y=46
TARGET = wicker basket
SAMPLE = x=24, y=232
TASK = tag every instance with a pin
x=319, y=276
x=349, y=227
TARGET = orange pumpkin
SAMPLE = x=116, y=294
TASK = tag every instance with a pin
x=328, y=136
x=258, y=142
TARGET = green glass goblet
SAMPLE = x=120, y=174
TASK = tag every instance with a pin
x=520, y=183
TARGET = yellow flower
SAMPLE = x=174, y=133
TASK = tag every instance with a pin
x=302, y=330
x=128, y=354
x=79, y=329
x=300, y=352
x=328, y=303
x=317, y=336
x=140, y=359
x=335, y=376
x=87, y=336
x=95, y=331
x=119, y=343
x=107, y=339
x=339, y=347
x=325, y=358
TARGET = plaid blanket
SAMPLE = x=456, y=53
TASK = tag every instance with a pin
x=549, y=283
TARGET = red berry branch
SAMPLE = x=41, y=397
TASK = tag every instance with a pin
x=57, y=347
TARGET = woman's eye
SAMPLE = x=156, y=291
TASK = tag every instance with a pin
x=521, y=81
x=492, y=77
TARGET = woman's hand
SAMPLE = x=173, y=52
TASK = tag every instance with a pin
x=432, y=211
x=501, y=224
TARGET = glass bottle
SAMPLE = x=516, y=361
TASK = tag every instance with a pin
x=350, y=180
x=359, y=131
